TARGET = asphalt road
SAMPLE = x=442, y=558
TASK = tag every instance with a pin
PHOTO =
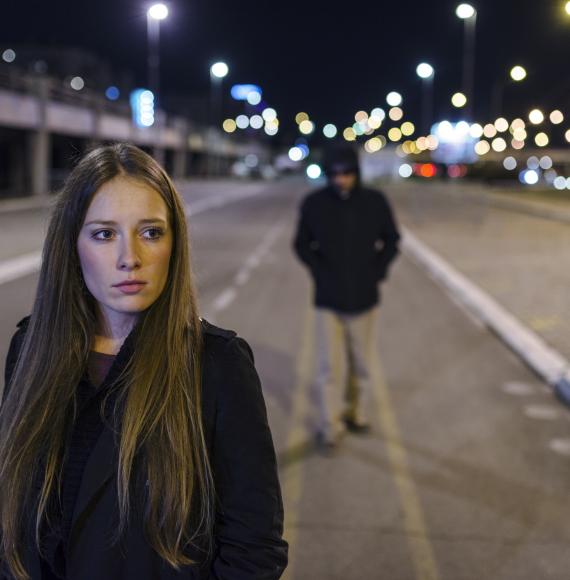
x=463, y=476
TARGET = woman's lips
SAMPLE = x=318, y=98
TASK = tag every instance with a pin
x=131, y=288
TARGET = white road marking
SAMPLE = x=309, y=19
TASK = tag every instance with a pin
x=561, y=446
x=542, y=412
x=519, y=389
x=21, y=266
x=545, y=360
x=224, y=299
x=228, y=295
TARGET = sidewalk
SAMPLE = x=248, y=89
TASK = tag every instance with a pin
x=516, y=250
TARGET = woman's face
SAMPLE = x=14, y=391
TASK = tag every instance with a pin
x=125, y=237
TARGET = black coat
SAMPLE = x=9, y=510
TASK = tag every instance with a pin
x=347, y=244
x=249, y=516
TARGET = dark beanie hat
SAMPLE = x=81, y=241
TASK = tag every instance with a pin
x=340, y=158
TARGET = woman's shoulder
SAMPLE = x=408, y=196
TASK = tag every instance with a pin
x=223, y=344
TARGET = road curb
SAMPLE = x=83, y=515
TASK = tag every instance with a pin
x=547, y=362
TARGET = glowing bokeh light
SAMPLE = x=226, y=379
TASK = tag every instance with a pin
x=536, y=116
x=458, y=100
x=229, y=125
x=394, y=99
x=395, y=113
x=330, y=131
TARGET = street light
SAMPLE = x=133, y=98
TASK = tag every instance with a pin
x=218, y=71
x=154, y=15
x=567, y=8
x=516, y=74
x=468, y=14
x=426, y=72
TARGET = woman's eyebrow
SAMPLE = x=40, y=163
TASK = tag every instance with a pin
x=113, y=223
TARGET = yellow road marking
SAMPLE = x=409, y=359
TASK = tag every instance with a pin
x=414, y=520
x=292, y=477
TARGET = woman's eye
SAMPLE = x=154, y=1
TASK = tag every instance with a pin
x=153, y=233
x=103, y=235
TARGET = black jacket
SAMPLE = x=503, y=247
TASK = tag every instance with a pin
x=249, y=516
x=347, y=244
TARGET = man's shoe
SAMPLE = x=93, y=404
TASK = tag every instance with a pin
x=354, y=427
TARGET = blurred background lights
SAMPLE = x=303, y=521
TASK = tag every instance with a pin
x=536, y=117
x=407, y=128
x=556, y=117
x=256, y=122
x=518, y=73
x=567, y=7
x=314, y=171
x=251, y=160
x=142, y=105
x=529, y=176
x=219, y=70
x=378, y=113
x=229, y=125
x=330, y=131
x=241, y=92
x=394, y=99
x=295, y=154
x=300, y=117
x=510, y=163
x=476, y=131
x=567, y=135
x=560, y=182
x=464, y=11
x=77, y=83
x=515, y=144
x=424, y=70
x=271, y=129
x=489, y=131
x=545, y=162
x=269, y=114
x=242, y=121
x=501, y=125
x=533, y=162
x=541, y=139
x=499, y=144
x=405, y=170
x=458, y=100
x=373, y=145
x=349, y=134
x=482, y=148
x=112, y=93
x=517, y=124
x=361, y=116
x=306, y=127
x=394, y=134
x=158, y=11
x=395, y=113
x=9, y=55
x=253, y=98
x=374, y=122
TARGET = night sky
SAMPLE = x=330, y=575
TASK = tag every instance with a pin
x=329, y=59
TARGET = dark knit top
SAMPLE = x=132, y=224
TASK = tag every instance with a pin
x=87, y=427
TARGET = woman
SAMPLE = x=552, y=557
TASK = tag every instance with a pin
x=135, y=442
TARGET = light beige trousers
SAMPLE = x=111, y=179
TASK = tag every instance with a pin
x=343, y=345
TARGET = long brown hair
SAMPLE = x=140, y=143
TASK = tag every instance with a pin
x=161, y=424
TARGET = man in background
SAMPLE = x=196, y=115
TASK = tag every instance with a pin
x=347, y=238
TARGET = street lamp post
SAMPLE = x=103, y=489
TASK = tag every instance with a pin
x=218, y=71
x=468, y=14
x=426, y=72
x=516, y=75
x=154, y=15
